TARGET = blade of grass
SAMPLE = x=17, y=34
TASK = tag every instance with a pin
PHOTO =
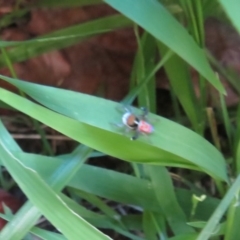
x=159, y=151
x=226, y=121
x=96, y=201
x=215, y=219
x=148, y=226
x=164, y=191
x=135, y=91
x=64, y=3
x=181, y=83
x=156, y=20
x=131, y=190
x=213, y=127
x=82, y=125
x=62, y=38
x=194, y=12
x=184, y=237
x=102, y=221
x=231, y=7
x=28, y=214
x=44, y=198
x=12, y=17
x=43, y=234
x=144, y=63
x=233, y=218
x=41, y=132
x=228, y=74
x=237, y=144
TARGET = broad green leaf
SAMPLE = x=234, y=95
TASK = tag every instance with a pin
x=88, y=120
x=155, y=19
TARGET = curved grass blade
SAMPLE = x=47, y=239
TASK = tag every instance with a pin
x=62, y=38
x=164, y=191
x=148, y=226
x=43, y=234
x=130, y=190
x=88, y=121
x=144, y=63
x=155, y=19
x=232, y=8
x=26, y=217
x=179, y=77
x=44, y=198
x=12, y=18
x=233, y=218
x=215, y=219
x=64, y=3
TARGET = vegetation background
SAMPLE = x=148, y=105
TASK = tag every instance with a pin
x=66, y=173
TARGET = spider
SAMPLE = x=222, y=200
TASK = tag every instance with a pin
x=137, y=123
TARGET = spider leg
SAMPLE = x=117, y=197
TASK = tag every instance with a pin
x=123, y=108
x=136, y=135
x=118, y=125
x=144, y=113
x=122, y=128
x=144, y=116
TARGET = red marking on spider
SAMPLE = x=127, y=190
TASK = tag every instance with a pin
x=145, y=127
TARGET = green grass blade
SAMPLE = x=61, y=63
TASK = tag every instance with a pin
x=232, y=9
x=190, y=150
x=184, y=237
x=226, y=120
x=233, y=218
x=130, y=190
x=22, y=221
x=216, y=217
x=133, y=93
x=43, y=234
x=237, y=143
x=171, y=144
x=8, y=140
x=144, y=64
x=44, y=198
x=100, y=204
x=179, y=77
x=62, y=38
x=164, y=191
x=148, y=226
x=156, y=20
x=58, y=177
x=64, y=3
x=12, y=17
